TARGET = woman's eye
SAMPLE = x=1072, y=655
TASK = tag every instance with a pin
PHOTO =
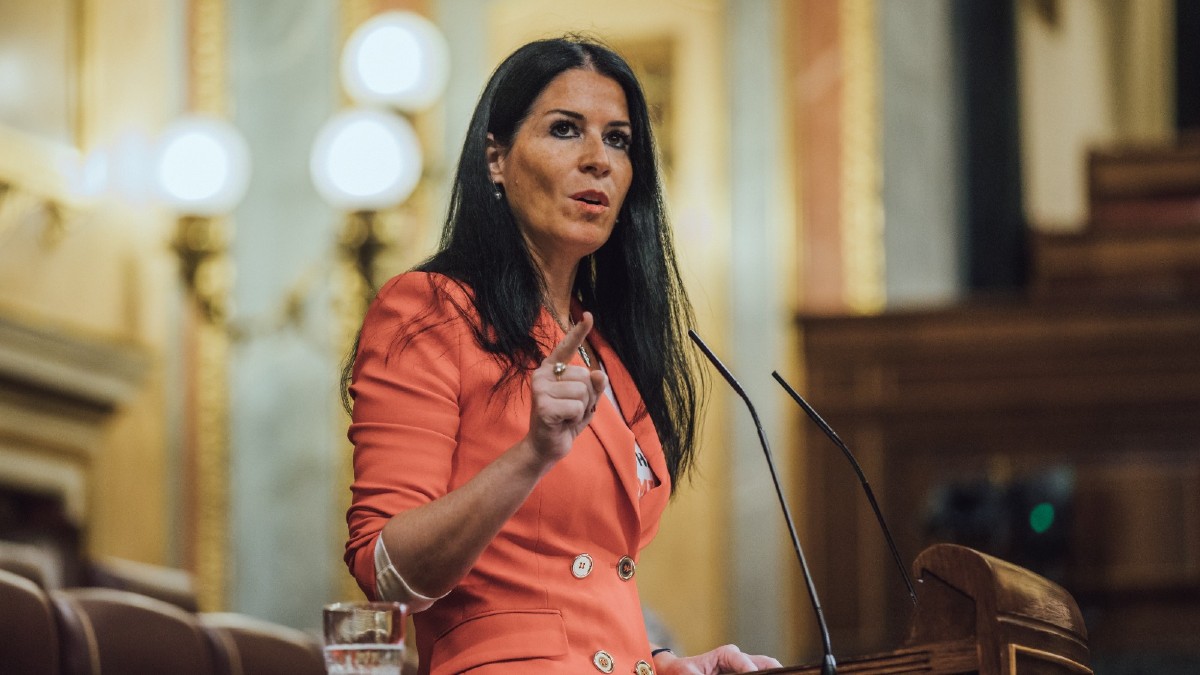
x=564, y=129
x=619, y=140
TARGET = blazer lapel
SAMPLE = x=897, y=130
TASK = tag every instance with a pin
x=614, y=427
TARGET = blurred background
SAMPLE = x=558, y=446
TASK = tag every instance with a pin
x=967, y=231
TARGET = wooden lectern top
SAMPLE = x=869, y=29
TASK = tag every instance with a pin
x=979, y=614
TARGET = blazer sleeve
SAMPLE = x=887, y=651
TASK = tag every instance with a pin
x=405, y=388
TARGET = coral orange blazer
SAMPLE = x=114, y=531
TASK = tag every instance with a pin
x=553, y=592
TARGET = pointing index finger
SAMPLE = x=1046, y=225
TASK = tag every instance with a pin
x=565, y=350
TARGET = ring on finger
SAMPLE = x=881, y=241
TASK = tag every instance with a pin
x=559, y=369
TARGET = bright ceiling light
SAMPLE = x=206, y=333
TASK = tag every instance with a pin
x=366, y=160
x=202, y=166
x=398, y=59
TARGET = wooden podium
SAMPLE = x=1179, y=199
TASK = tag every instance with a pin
x=979, y=614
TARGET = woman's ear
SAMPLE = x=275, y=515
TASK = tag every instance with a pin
x=495, y=160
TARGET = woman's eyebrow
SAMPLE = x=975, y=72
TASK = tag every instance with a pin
x=577, y=116
x=568, y=113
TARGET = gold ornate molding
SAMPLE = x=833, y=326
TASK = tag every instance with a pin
x=862, y=166
x=207, y=64
x=211, y=463
x=349, y=291
x=207, y=87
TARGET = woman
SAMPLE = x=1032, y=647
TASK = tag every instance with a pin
x=523, y=402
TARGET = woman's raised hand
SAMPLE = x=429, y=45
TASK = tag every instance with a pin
x=564, y=396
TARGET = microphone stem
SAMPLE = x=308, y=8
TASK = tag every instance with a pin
x=829, y=665
x=787, y=516
x=862, y=478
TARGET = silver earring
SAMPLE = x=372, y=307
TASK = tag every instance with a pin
x=496, y=192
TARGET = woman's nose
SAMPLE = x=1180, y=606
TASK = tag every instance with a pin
x=594, y=156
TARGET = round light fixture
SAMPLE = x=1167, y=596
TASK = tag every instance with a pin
x=365, y=160
x=202, y=166
x=398, y=59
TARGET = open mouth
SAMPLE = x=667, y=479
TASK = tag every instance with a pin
x=591, y=197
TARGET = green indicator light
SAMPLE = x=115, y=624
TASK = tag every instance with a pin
x=1041, y=517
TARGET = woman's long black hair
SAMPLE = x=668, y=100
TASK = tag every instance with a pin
x=631, y=284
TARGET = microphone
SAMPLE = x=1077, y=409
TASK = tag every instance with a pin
x=912, y=593
x=829, y=665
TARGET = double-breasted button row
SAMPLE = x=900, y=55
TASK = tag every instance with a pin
x=604, y=663
x=626, y=568
x=581, y=566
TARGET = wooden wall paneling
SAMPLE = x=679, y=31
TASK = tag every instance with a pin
x=999, y=391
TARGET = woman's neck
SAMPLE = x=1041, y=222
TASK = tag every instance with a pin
x=559, y=277
x=558, y=293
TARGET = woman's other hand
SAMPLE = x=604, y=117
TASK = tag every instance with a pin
x=724, y=659
x=563, y=402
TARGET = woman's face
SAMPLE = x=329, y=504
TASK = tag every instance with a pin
x=567, y=169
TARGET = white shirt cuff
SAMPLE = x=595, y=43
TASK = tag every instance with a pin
x=389, y=585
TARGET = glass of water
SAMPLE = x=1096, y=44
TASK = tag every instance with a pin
x=364, y=638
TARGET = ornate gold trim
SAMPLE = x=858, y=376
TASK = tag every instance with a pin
x=349, y=305
x=207, y=94
x=207, y=63
x=212, y=463
x=862, y=167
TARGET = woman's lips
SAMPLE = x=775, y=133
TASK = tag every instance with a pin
x=594, y=197
x=592, y=202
